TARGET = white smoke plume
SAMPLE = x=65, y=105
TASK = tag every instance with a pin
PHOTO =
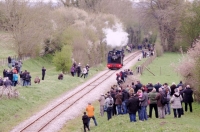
x=116, y=36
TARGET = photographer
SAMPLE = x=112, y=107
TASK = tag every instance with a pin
x=109, y=104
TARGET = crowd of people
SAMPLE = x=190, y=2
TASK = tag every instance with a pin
x=76, y=70
x=135, y=98
x=122, y=75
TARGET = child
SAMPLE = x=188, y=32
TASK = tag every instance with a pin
x=85, y=119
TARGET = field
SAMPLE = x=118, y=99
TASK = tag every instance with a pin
x=37, y=96
x=163, y=68
x=187, y=123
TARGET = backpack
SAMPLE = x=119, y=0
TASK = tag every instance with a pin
x=110, y=104
x=164, y=99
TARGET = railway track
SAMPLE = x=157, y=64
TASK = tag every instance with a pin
x=40, y=123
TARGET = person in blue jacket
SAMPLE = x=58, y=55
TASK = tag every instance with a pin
x=15, y=79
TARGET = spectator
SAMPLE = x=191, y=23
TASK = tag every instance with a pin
x=84, y=72
x=109, y=104
x=149, y=87
x=90, y=113
x=102, y=101
x=87, y=67
x=7, y=83
x=137, y=86
x=78, y=69
x=43, y=72
x=13, y=62
x=153, y=103
x=173, y=87
x=157, y=86
x=176, y=103
x=118, y=102
x=72, y=70
x=167, y=106
x=85, y=119
x=113, y=93
x=27, y=79
x=144, y=102
x=181, y=92
x=180, y=84
x=24, y=77
x=125, y=97
x=9, y=62
x=60, y=76
x=4, y=73
x=161, y=107
x=20, y=65
x=188, y=99
x=15, y=79
x=37, y=80
x=133, y=106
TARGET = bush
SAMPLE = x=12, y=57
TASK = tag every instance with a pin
x=62, y=60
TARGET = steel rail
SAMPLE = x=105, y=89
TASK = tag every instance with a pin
x=60, y=103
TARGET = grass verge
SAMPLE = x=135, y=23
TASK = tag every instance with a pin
x=187, y=123
x=37, y=96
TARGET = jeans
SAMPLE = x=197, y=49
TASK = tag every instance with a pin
x=151, y=107
x=26, y=83
x=119, y=109
x=95, y=122
x=132, y=117
x=109, y=112
x=143, y=113
x=124, y=107
x=167, y=109
x=175, y=113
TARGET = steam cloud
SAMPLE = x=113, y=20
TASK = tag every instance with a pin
x=116, y=36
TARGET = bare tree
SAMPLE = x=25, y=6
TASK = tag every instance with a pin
x=68, y=3
x=28, y=25
x=166, y=14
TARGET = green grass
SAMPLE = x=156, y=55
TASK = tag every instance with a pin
x=37, y=96
x=187, y=123
x=163, y=70
x=138, y=64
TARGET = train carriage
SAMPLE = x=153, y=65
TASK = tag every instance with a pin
x=115, y=59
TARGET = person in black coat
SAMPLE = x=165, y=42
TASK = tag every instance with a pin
x=78, y=70
x=133, y=106
x=4, y=73
x=137, y=86
x=188, y=99
x=85, y=119
x=43, y=72
x=125, y=97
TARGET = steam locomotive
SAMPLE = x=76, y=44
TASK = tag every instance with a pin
x=115, y=59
